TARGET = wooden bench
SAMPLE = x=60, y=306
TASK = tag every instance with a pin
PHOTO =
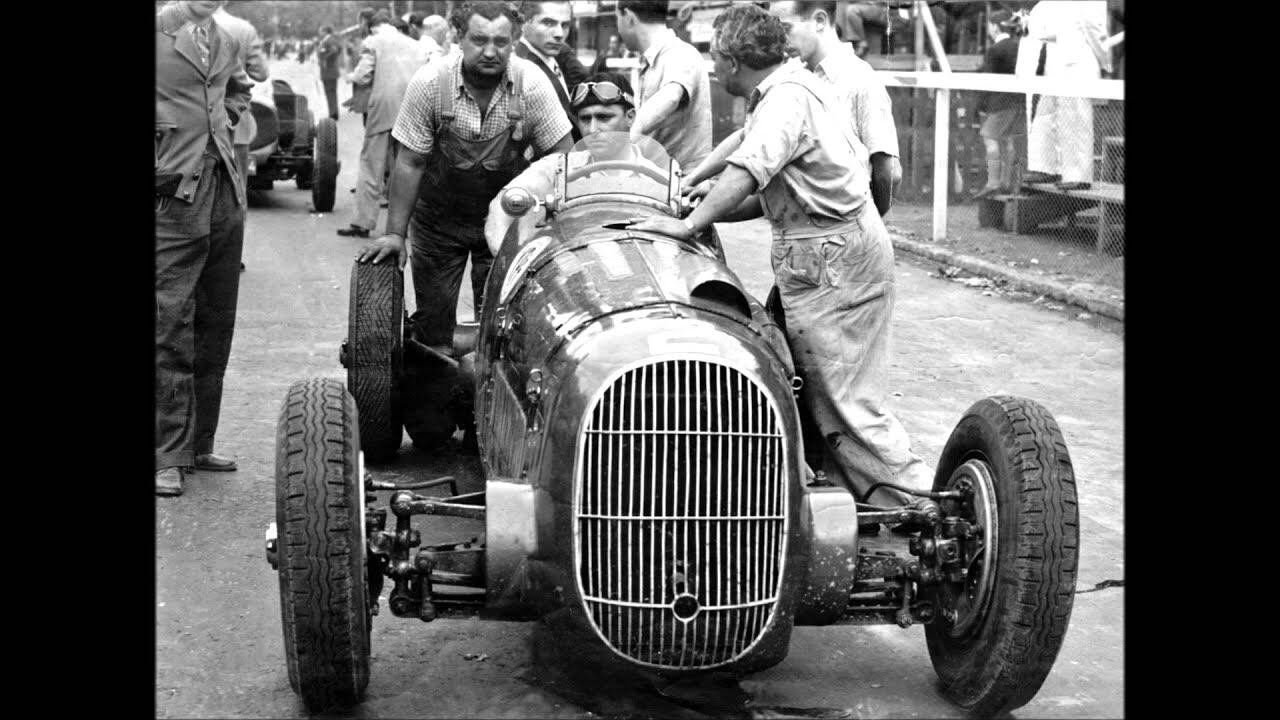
x=1039, y=203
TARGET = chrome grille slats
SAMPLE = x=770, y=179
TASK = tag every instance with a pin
x=681, y=491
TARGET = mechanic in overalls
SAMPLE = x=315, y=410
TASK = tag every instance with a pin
x=464, y=128
x=806, y=171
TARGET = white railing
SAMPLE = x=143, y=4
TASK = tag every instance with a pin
x=945, y=82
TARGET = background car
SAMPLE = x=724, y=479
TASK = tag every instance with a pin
x=291, y=144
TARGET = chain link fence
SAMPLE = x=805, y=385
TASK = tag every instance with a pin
x=1046, y=199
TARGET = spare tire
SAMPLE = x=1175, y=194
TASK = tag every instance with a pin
x=374, y=355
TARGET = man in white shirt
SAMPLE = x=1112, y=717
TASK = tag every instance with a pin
x=675, y=90
x=435, y=37
x=388, y=60
x=812, y=40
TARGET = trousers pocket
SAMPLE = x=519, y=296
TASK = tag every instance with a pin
x=164, y=138
x=800, y=265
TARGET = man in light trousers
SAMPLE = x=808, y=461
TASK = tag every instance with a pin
x=802, y=167
x=388, y=60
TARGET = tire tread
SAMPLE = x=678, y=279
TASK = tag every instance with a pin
x=1031, y=608
x=323, y=603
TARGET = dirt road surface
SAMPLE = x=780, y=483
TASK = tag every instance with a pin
x=219, y=648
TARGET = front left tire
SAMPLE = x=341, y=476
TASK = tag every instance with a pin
x=999, y=629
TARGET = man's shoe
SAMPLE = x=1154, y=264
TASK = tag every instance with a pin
x=353, y=231
x=169, y=481
x=210, y=462
x=868, y=528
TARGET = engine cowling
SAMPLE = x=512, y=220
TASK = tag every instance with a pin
x=644, y=401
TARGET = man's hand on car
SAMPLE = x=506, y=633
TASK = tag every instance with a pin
x=668, y=226
x=699, y=191
x=389, y=245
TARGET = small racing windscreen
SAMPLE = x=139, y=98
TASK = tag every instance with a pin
x=617, y=163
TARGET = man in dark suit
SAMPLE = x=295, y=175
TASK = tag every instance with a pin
x=201, y=92
x=542, y=42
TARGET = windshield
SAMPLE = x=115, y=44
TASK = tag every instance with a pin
x=615, y=163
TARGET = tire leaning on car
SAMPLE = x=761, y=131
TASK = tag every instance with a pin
x=374, y=355
x=1000, y=630
x=324, y=603
x=324, y=166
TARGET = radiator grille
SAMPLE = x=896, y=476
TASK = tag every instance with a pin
x=681, y=513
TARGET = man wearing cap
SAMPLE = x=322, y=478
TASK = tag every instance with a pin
x=802, y=167
x=604, y=108
x=1004, y=124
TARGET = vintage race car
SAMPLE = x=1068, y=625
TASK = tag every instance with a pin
x=291, y=144
x=647, y=477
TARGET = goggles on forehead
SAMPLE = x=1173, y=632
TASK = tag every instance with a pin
x=606, y=92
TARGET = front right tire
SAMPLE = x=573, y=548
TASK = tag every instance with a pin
x=324, y=595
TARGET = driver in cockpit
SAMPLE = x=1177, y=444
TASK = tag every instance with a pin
x=604, y=108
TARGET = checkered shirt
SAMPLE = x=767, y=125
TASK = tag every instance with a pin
x=544, y=120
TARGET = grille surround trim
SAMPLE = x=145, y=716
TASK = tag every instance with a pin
x=760, y=612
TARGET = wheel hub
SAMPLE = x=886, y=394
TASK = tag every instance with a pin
x=965, y=602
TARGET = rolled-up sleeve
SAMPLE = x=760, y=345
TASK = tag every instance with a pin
x=681, y=64
x=414, y=123
x=873, y=113
x=775, y=134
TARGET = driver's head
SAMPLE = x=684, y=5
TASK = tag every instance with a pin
x=604, y=108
